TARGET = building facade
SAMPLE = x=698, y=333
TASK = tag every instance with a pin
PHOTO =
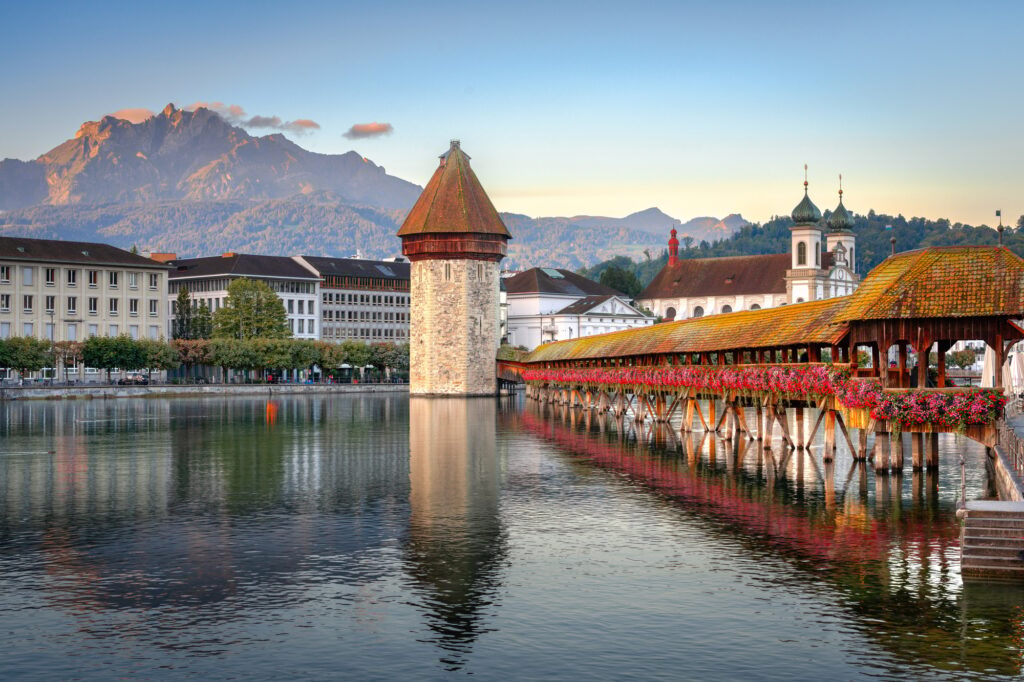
x=361, y=300
x=70, y=291
x=208, y=279
x=549, y=304
x=455, y=239
x=821, y=264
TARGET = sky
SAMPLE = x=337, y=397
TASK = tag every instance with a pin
x=566, y=108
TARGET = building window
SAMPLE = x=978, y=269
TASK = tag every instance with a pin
x=51, y=303
x=154, y=332
x=94, y=278
x=93, y=330
x=72, y=332
x=312, y=327
x=112, y=330
x=5, y=274
x=302, y=325
x=447, y=272
x=133, y=306
x=72, y=278
x=51, y=276
x=5, y=303
x=26, y=276
x=153, y=308
x=755, y=307
x=27, y=329
x=698, y=312
x=94, y=305
x=154, y=281
x=72, y=305
x=291, y=306
x=49, y=331
x=801, y=253
x=133, y=331
x=112, y=280
x=726, y=308
x=112, y=306
x=27, y=301
x=133, y=280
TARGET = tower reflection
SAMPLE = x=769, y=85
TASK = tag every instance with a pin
x=456, y=543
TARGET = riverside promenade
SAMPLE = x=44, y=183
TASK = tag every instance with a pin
x=101, y=391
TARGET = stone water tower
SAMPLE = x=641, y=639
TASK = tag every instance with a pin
x=455, y=239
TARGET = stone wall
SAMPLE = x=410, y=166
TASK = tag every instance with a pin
x=453, y=327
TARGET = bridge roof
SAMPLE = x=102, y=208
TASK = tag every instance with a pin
x=941, y=282
x=791, y=325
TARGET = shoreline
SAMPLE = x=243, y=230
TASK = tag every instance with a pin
x=95, y=391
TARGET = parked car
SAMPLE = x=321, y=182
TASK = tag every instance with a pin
x=134, y=380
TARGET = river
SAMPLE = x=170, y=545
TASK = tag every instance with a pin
x=382, y=537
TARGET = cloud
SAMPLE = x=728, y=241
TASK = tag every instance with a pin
x=235, y=115
x=133, y=115
x=363, y=130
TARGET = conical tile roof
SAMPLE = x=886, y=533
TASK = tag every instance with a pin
x=453, y=202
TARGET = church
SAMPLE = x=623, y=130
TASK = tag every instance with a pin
x=821, y=264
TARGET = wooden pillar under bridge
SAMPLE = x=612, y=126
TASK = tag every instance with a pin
x=917, y=451
x=933, y=450
x=800, y=428
x=897, y=452
x=830, y=484
x=830, y=435
x=711, y=414
x=688, y=416
x=862, y=449
x=760, y=421
x=881, y=450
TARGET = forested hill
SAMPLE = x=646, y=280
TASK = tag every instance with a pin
x=873, y=234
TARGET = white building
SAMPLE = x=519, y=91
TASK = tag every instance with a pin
x=70, y=291
x=207, y=280
x=708, y=286
x=546, y=304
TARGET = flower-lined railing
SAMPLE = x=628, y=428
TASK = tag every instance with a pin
x=948, y=408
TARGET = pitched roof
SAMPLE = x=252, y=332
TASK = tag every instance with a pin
x=453, y=202
x=725, y=276
x=944, y=281
x=556, y=281
x=57, y=251
x=240, y=265
x=583, y=305
x=356, y=267
x=791, y=325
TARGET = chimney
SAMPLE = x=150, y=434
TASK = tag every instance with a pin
x=228, y=254
x=673, y=248
x=163, y=257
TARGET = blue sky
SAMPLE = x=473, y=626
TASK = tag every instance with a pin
x=575, y=107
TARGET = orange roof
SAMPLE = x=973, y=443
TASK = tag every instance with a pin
x=453, y=202
x=791, y=325
x=942, y=281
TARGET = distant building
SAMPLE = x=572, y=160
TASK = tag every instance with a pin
x=547, y=304
x=69, y=291
x=707, y=286
x=362, y=300
x=208, y=278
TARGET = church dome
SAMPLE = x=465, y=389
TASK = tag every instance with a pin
x=841, y=220
x=806, y=211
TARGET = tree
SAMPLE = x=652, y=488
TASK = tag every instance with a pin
x=99, y=351
x=183, y=315
x=622, y=280
x=27, y=354
x=1020, y=223
x=192, y=352
x=962, y=358
x=159, y=355
x=252, y=310
x=68, y=353
x=202, y=322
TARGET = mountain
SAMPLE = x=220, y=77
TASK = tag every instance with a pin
x=193, y=156
x=188, y=182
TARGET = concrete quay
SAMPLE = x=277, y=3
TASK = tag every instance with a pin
x=102, y=391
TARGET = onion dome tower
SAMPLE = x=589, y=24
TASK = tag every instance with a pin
x=455, y=239
x=673, y=248
x=805, y=240
x=841, y=234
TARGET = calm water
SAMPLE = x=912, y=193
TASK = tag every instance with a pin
x=381, y=537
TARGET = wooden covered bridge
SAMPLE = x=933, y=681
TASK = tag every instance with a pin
x=739, y=373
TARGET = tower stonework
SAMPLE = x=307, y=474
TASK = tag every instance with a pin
x=455, y=240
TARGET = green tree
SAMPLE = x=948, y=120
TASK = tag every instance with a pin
x=68, y=353
x=183, y=315
x=100, y=352
x=962, y=358
x=202, y=322
x=252, y=310
x=622, y=280
x=27, y=354
x=192, y=352
x=159, y=355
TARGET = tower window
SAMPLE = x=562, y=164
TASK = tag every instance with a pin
x=447, y=272
x=801, y=253
x=817, y=254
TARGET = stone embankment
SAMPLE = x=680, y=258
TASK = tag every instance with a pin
x=90, y=391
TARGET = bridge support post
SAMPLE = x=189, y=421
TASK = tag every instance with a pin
x=830, y=435
x=881, y=450
x=711, y=414
x=897, y=453
x=862, y=450
x=800, y=428
x=933, y=450
x=688, y=418
x=759, y=416
x=916, y=451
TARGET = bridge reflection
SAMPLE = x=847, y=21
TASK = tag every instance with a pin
x=890, y=554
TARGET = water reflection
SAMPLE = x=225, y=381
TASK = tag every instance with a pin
x=886, y=545
x=456, y=542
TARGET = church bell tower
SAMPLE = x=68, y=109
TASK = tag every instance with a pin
x=455, y=240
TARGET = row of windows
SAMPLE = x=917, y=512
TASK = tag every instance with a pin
x=362, y=333
x=366, y=315
x=71, y=331
x=50, y=277
x=207, y=285
x=71, y=305
x=345, y=282
x=366, y=299
x=304, y=326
